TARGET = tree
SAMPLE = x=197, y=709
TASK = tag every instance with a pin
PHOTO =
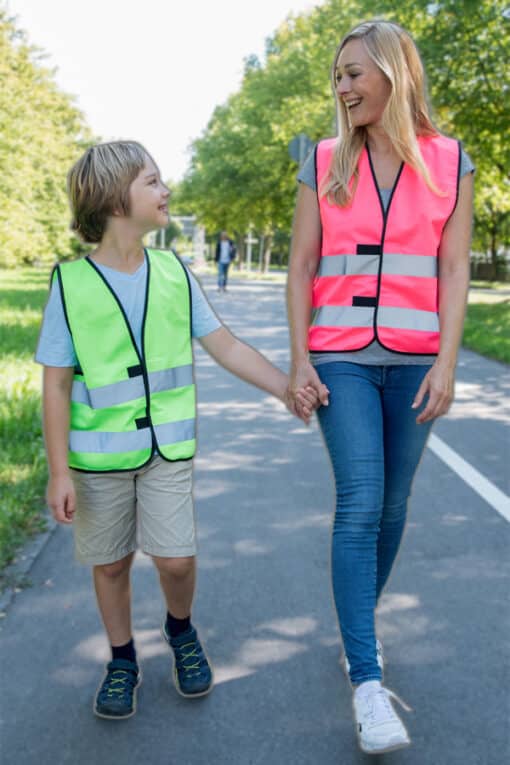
x=43, y=133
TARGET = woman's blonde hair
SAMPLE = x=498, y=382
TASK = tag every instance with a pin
x=405, y=115
x=98, y=185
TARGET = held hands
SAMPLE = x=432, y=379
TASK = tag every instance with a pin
x=305, y=392
x=61, y=498
x=438, y=384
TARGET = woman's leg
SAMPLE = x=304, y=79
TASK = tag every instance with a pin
x=404, y=442
x=352, y=426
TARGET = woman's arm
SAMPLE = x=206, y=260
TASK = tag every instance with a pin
x=453, y=288
x=304, y=261
x=57, y=385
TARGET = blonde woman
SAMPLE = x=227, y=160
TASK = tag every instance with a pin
x=376, y=297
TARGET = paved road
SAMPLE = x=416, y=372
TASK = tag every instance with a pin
x=264, y=500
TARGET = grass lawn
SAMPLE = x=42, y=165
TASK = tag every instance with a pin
x=23, y=293
x=22, y=462
x=487, y=329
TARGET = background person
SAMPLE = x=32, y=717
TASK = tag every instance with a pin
x=225, y=254
x=377, y=287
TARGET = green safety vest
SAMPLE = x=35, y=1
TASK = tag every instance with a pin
x=126, y=404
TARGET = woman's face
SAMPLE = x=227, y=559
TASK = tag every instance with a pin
x=360, y=84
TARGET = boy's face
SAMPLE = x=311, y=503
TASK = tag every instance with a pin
x=148, y=197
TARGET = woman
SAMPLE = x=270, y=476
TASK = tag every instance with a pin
x=377, y=289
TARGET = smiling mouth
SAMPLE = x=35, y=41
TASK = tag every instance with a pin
x=163, y=208
x=351, y=104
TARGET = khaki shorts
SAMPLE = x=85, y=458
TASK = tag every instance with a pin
x=156, y=500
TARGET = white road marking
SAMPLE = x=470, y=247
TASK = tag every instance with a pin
x=485, y=488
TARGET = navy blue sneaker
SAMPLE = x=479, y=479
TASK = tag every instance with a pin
x=116, y=697
x=192, y=672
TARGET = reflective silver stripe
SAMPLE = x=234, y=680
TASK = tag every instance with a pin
x=134, y=440
x=108, y=395
x=343, y=316
x=132, y=388
x=173, y=432
x=408, y=318
x=397, y=318
x=166, y=379
x=409, y=265
x=80, y=393
x=109, y=443
x=393, y=263
x=348, y=265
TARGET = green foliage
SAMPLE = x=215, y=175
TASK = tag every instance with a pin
x=22, y=461
x=487, y=330
x=241, y=172
x=42, y=134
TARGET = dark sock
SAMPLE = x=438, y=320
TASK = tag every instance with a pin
x=125, y=651
x=175, y=626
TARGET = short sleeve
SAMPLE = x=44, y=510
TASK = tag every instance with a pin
x=306, y=174
x=55, y=346
x=466, y=165
x=203, y=319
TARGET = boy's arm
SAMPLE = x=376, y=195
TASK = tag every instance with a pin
x=60, y=494
x=250, y=365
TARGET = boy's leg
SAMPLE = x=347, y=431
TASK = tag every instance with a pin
x=167, y=534
x=113, y=592
x=105, y=538
x=177, y=577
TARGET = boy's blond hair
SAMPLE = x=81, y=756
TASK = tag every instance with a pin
x=98, y=185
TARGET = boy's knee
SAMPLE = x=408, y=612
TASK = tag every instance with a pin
x=178, y=568
x=116, y=569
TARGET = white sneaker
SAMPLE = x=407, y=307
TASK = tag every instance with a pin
x=380, y=658
x=379, y=728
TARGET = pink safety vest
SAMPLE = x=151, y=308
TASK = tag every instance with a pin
x=378, y=272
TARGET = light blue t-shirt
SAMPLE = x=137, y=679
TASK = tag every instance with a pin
x=55, y=347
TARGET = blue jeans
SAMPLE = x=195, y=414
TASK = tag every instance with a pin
x=222, y=274
x=375, y=446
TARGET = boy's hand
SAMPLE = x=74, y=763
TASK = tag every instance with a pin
x=61, y=498
x=303, y=403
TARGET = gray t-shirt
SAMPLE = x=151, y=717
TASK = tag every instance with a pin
x=373, y=353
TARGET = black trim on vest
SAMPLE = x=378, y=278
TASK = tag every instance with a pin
x=142, y=422
x=144, y=368
x=368, y=249
x=62, y=297
x=317, y=188
x=359, y=300
x=385, y=214
x=459, y=163
x=135, y=371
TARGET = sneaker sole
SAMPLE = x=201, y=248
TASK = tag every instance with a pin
x=391, y=748
x=118, y=717
x=176, y=678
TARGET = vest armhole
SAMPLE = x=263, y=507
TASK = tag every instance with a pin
x=457, y=187
x=62, y=296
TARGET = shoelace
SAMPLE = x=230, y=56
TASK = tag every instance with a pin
x=118, y=683
x=383, y=696
x=183, y=655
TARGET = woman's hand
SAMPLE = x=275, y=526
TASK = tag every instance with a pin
x=438, y=385
x=305, y=386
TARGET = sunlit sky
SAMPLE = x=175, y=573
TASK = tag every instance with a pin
x=152, y=70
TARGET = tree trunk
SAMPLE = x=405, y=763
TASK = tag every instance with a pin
x=268, y=243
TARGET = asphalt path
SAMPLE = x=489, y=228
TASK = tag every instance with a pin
x=264, y=500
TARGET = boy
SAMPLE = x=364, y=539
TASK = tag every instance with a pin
x=119, y=407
